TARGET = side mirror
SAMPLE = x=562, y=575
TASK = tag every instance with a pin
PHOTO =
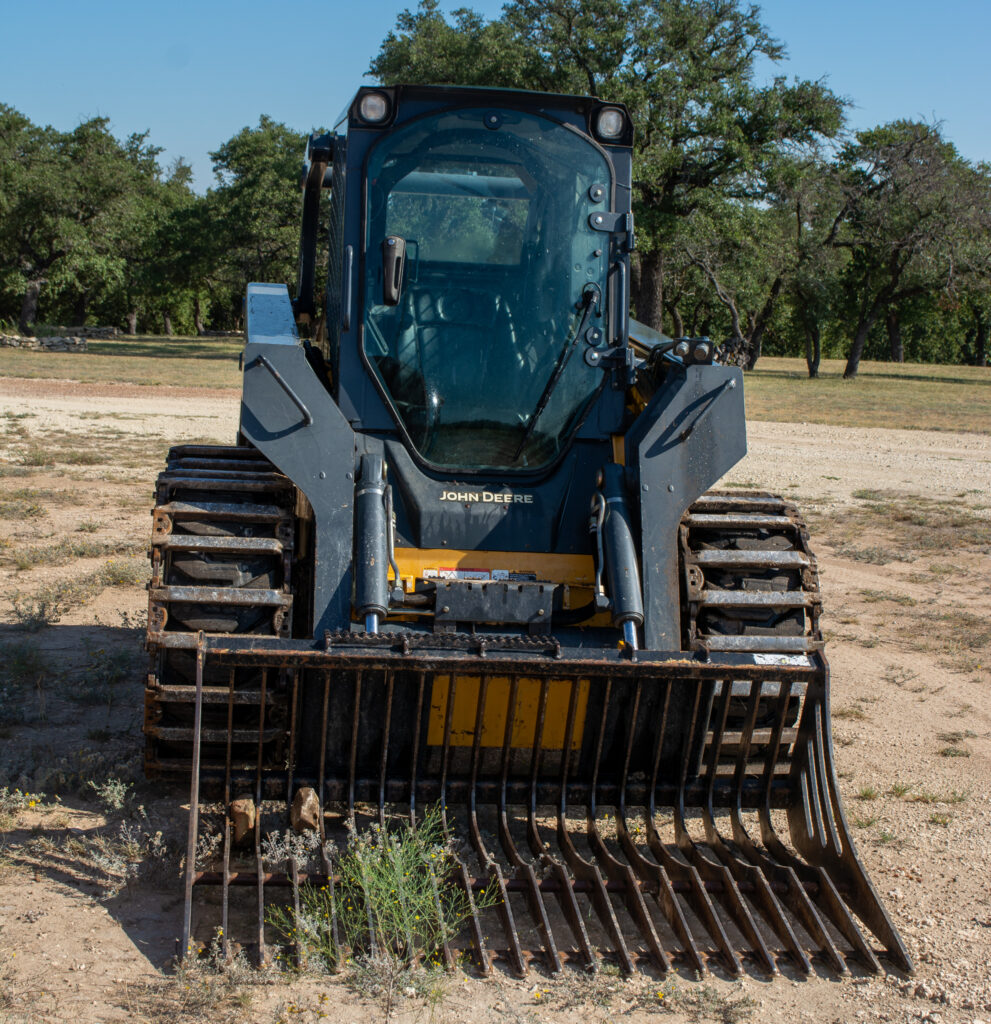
x=393, y=262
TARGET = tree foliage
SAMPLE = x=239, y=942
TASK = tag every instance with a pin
x=761, y=220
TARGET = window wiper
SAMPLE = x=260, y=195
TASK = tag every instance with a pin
x=590, y=305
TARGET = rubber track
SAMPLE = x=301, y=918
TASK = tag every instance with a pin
x=221, y=552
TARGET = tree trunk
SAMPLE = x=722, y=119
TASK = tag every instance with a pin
x=650, y=293
x=677, y=324
x=168, y=324
x=981, y=340
x=197, y=320
x=895, y=337
x=813, y=348
x=758, y=324
x=867, y=321
x=29, y=307
x=132, y=322
x=79, y=310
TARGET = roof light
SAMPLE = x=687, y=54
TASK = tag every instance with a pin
x=374, y=107
x=610, y=122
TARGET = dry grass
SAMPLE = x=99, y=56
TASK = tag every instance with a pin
x=183, y=362
x=886, y=526
x=910, y=395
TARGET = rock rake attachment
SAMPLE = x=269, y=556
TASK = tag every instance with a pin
x=628, y=806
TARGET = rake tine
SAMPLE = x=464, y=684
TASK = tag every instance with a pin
x=414, y=759
x=324, y=859
x=869, y=906
x=583, y=869
x=798, y=899
x=294, y=711
x=445, y=944
x=615, y=870
x=741, y=869
x=390, y=682
x=259, y=866
x=651, y=870
x=484, y=961
x=192, y=837
x=478, y=939
x=671, y=867
x=225, y=896
x=537, y=845
x=446, y=750
x=522, y=868
x=712, y=871
x=565, y=892
x=297, y=946
x=354, y=742
x=826, y=895
x=686, y=872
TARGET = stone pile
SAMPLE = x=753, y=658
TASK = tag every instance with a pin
x=88, y=332
x=57, y=343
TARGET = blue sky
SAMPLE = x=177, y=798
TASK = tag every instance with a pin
x=193, y=74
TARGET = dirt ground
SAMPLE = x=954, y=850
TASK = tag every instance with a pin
x=90, y=900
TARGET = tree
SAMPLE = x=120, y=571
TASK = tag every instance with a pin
x=685, y=68
x=906, y=213
x=254, y=209
x=74, y=204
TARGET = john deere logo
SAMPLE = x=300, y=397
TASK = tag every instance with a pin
x=487, y=497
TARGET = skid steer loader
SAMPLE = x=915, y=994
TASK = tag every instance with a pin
x=464, y=553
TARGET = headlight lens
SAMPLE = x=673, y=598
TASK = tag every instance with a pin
x=374, y=106
x=610, y=123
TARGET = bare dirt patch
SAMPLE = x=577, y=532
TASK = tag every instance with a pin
x=90, y=899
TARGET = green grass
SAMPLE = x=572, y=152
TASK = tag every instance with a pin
x=184, y=362
x=909, y=395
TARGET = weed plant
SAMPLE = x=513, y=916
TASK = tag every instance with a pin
x=396, y=903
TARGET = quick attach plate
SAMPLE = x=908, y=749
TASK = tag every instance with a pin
x=516, y=603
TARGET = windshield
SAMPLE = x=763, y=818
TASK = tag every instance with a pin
x=493, y=206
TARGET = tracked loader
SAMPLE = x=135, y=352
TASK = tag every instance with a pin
x=464, y=554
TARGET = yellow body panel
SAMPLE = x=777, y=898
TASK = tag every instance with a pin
x=576, y=570
x=465, y=711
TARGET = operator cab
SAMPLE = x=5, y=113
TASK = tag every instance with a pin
x=489, y=276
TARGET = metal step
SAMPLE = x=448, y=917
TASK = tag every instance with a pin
x=221, y=545
x=738, y=503
x=221, y=595
x=218, y=736
x=769, y=644
x=224, y=476
x=732, y=559
x=236, y=465
x=758, y=599
x=741, y=520
x=175, y=693
x=733, y=739
x=244, y=513
x=213, y=451
x=233, y=483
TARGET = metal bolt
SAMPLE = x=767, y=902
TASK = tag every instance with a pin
x=671, y=488
x=732, y=383
x=598, y=218
x=323, y=475
x=645, y=487
x=540, y=611
x=446, y=609
x=701, y=352
x=681, y=349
